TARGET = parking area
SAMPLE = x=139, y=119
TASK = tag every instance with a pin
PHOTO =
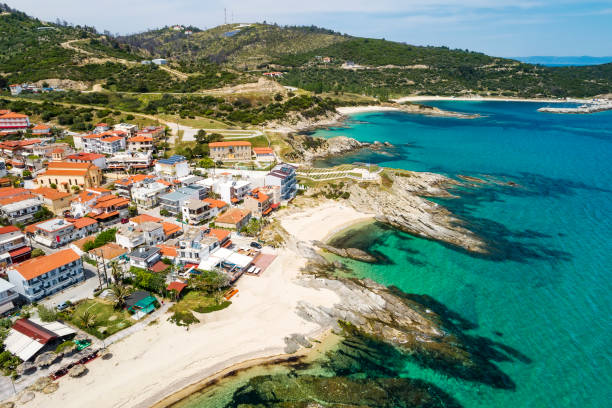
x=80, y=291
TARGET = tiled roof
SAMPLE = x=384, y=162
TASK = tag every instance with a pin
x=168, y=251
x=10, y=228
x=69, y=165
x=140, y=138
x=177, y=286
x=233, y=216
x=170, y=228
x=81, y=242
x=227, y=144
x=13, y=115
x=220, y=234
x=16, y=199
x=215, y=203
x=65, y=172
x=139, y=219
x=263, y=150
x=83, y=222
x=85, y=156
x=50, y=193
x=32, y=268
x=41, y=127
x=108, y=251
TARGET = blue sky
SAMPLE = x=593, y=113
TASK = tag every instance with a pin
x=496, y=27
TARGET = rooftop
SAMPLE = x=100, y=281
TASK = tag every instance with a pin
x=144, y=252
x=85, y=156
x=32, y=202
x=232, y=216
x=83, y=222
x=35, y=267
x=54, y=224
x=109, y=251
x=228, y=144
x=139, y=219
x=172, y=160
x=50, y=193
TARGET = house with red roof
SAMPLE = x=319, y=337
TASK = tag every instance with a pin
x=13, y=245
x=41, y=130
x=66, y=175
x=30, y=337
x=140, y=143
x=232, y=150
x=258, y=203
x=97, y=159
x=53, y=200
x=108, y=142
x=264, y=154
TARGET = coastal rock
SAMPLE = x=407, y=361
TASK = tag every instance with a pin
x=399, y=201
x=352, y=253
x=307, y=148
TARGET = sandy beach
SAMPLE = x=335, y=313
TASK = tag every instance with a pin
x=163, y=359
x=347, y=110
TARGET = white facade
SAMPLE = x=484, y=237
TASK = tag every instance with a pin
x=54, y=232
x=129, y=160
x=232, y=189
x=21, y=211
x=129, y=128
x=195, y=246
x=146, y=233
x=173, y=167
x=195, y=211
x=148, y=195
x=7, y=295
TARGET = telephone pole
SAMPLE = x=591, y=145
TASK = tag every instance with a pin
x=225, y=15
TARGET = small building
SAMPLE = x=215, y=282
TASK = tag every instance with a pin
x=234, y=218
x=125, y=186
x=52, y=233
x=148, y=194
x=233, y=191
x=130, y=161
x=144, y=257
x=130, y=236
x=258, y=203
x=55, y=201
x=107, y=253
x=83, y=227
x=140, y=303
x=7, y=295
x=173, y=167
x=21, y=211
x=140, y=144
x=29, y=337
x=176, y=287
x=264, y=154
x=171, y=230
x=129, y=128
x=101, y=127
x=15, y=89
x=195, y=246
x=159, y=61
x=40, y=277
x=195, y=211
x=223, y=236
x=108, y=142
x=216, y=206
x=41, y=130
x=13, y=248
x=234, y=150
x=173, y=202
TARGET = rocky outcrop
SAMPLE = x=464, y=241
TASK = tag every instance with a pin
x=352, y=253
x=399, y=201
x=307, y=148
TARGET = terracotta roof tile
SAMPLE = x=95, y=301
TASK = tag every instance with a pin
x=35, y=267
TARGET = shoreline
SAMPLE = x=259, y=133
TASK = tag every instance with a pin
x=425, y=98
x=325, y=339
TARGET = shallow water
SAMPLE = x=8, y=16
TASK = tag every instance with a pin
x=546, y=291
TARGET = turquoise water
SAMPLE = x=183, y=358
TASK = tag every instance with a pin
x=546, y=292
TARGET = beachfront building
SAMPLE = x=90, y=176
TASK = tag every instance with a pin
x=147, y=195
x=232, y=191
x=144, y=257
x=20, y=212
x=195, y=211
x=65, y=175
x=13, y=248
x=234, y=218
x=97, y=159
x=14, y=121
x=172, y=168
x=55, y=201
x=234, y=150
x=140, y=144
x=107, y=254
x=28, y=338
x=130, y=161
x=173, y=202
x=258, y=203
x=195, y=246
x=40, y=277
x=285, y=176
x=264, y=154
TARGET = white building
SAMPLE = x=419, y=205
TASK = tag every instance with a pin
x=130, y=160
x=14, y=121
x=45, y=275
x=129, y=129
x=7, y=295
x=145, y=257
x=194, y=246
x=284, y=176
x=21, y=211
x=173, y=167
x=15, y=89
x=12, y=241
x=54, y=232
x=140, y=144
x=131, y=236
x=148, y=194
x=106, y=142
x=232, y=191
x=97, y=159
x=195, y=211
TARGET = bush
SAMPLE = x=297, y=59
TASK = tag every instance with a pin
x=37, y=252
x=46, y=314
x=64, y=346
x=183, y=318
x=212, y=308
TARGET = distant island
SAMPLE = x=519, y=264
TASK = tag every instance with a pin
x=559, y=61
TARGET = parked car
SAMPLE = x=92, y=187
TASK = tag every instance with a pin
x=62, y=306
x=255, y=245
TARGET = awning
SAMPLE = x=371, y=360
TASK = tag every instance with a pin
x=267, y=211
x=275, y=206
x=6, y=307
x=20, y=251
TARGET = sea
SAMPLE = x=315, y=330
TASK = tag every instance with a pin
x=540, y=304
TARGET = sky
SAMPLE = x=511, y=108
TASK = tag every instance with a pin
x=505, y=28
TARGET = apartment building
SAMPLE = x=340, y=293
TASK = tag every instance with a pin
x=125, y=186
x=14, y=121
x=40, y=277
x=106, y=142
x=173, y=202
x=258, y=203
x=140, y=144
x=195, y=211
x=129, y=128
x=234, y=218
x=130, y=161
x=195, y=246
x=173, y=167
x=284, y=176
x=148, y=194
x=130, y=236
x=22, y=211
x=56, y=232
x=144, y=257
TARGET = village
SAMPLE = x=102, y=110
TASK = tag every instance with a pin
x=103, y=233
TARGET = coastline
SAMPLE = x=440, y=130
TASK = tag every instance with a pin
x=425, y=98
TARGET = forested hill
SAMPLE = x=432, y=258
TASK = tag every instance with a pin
x=311, y=58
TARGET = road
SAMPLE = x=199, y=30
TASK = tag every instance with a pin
x=82, y=290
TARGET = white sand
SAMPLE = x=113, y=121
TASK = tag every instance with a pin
x=347, y=110
x=164, y=358
x=321, y=222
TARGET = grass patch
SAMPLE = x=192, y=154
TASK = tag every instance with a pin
x=198, y=122
x=108, y=320
x=195, y=301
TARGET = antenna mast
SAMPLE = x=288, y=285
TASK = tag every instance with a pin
x=225, y=15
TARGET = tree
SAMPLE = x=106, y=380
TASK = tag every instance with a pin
x=53, y=185
x=26, y=174
x=76, y=189
x=278, y=97
x=120, y=293
x=36, y=252
x=164, y=213
x=87, y=319
x=46, y=314
x=116, y=271
x=43, y=214
x=133, y=210
x=209, y=281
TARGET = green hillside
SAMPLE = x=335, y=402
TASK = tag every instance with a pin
x=231, y=44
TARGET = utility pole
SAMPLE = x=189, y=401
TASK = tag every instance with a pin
x=104, y=266
x=98, y=270
x=225, y=15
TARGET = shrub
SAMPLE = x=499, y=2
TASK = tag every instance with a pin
x=46, y=314
x=183, y=318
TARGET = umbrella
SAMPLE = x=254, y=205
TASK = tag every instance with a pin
x=77, y=371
